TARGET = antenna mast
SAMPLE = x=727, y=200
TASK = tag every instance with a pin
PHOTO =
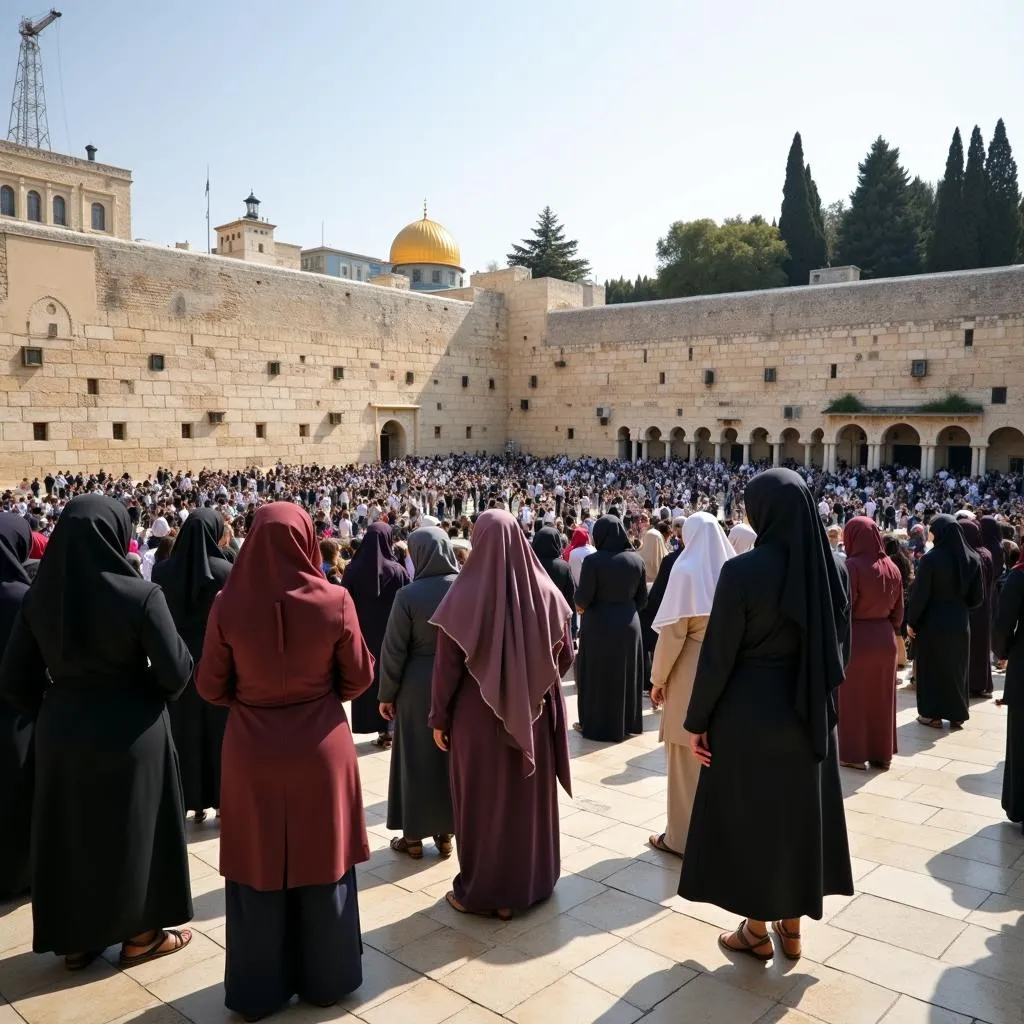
x=28, y=125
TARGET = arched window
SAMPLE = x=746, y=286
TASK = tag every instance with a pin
x=60, y=211
x=35, y=206
x=99, y=217
x=7, y=201
x=261, y=247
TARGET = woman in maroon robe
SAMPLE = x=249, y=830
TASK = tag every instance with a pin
x=867, y=698
x=503, y=646
x=283, y=649
x=979, y=665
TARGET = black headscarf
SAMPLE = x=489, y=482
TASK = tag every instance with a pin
x=610, y=535
x=15, y=544
x=950, y=538
x=85, y=578
x=814, y=596
x=188, y=570
x=374, y=562
x=993, y=534
x=547, y=545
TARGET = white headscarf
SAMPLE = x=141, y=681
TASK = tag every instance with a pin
x=161, y=528
x=692, y=582
x=742, y=537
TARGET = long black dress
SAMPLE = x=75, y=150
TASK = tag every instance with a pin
x=191, y=578
x=16, y=729
x=1008, y=643
x=108, y=835
x=610, y=665
x=947, y=586
x=547, y=546
x=767, y=835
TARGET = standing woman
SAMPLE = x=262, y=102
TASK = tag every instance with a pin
x=373, y=578
x=283, y=650
x=768, y=833
x=95, y=656
x=680, y=624
x=16, y=728
x=191, y=578
x=742, y=538
x=502, y=650
x=948, y=584
x=547, y=546
x=419, y=798
x=979, y=672
x=1008, y=643
x=867, y=699
x=610, y=668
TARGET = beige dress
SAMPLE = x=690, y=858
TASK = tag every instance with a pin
x=675, y=665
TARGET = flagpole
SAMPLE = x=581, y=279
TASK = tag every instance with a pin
x=208, y=249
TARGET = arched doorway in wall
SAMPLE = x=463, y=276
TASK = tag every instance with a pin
x=792, y=449
x=1005, y=451
x=851, y=446
x=392, y=441
x=901, y=446
x=953, y=451
x=705, y=449
x=677, y=446
x=760, y=448
x=818, y=447
x=732, y=450
x=655, y=445
x=623, y=444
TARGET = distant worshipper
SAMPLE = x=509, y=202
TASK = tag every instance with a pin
x=610, y=667
x=742, y=537
x=948, y=585
x=680, y=624
x=1008, y=644
x=497, y=708
x=979, y=670
x=547, y=545
x=419, y=796
x=191, y=578
x=373, y=578
x=578, y=548
x=283, y=649
x=95, y=656
x=867, y=698
x=160, y=529
x=762, y=722
x=16, y=728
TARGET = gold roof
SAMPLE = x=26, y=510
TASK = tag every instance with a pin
x=425, y=241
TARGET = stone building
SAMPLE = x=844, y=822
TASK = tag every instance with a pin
x=252, y=239
x=426, y=253
x=125, y=356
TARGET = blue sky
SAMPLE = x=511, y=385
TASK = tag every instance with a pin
x=623, y=117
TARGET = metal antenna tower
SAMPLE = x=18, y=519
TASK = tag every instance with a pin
x=28, y=125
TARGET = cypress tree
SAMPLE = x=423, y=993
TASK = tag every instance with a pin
x=878, y=229
x=946, y=251
x=804, y=239
x=921, y=200
x=1002, y=216
x=975, y=200
x=812, y=192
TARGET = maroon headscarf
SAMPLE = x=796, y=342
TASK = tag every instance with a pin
x=509, y=619
x=976, y=541
x=865, y=553
x=580, y=539
x=374, y=562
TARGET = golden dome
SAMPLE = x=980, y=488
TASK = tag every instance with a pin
x=425, y=241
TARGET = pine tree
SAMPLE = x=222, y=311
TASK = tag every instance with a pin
x=946, y=251
x=803, y=237
x=549, y=253
x=921, y=202
x=975, y=200
x=1002, y=216
x=878, y=231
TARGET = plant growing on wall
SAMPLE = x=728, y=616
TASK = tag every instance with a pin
x=847, y=403
x=952, y=403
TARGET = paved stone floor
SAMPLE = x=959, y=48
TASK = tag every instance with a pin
x=935, y=934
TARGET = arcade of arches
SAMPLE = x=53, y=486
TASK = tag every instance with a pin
x=930, y=446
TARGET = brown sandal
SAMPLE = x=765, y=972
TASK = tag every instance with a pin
x=658, y=842
x=791, y=947
x=153, y=951
x=413, y=847
x=856, y=766
x=932, y=723
x=748, y=947
x=444, y=845
x=501, y=915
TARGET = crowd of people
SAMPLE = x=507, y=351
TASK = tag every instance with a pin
x=184, y=644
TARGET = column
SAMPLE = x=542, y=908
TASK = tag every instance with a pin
x=928, y=460
x=718, y=451
x=807, y=453
x=746, y=453
x=643, y=450
x=830, y=457
x=21, y=210
x=873, y=460
x=776, y=453
x=982, y=459
x=693, y=451
x=975, y=458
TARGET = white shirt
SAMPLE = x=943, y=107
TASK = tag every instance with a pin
x=576, y=557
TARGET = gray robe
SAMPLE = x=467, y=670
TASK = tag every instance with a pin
x=419, y=797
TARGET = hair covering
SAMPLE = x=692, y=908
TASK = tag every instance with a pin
x=431, y=553
x=992, y=533
x=161, y=528
x=742, y=537
x=15, y=548
x=814, y=595
x=37, y=545
x=951, y=539
x=610, y=535
x=374, y=561
x=509, y=619
x=653, y=550
x=547, y=544
x=694, y=576
x=972, y=533
x=863, y=539
x=426, y=520
x=580, y=539
x=188, y=568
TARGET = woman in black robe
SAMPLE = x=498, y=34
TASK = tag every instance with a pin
x=15, y=728
x=191, y=578
x=1008, y=644
x=768, y=832
x=979, y=663
x=548, y=546
x=610, y=666
x=947, y=586
x=94, y=655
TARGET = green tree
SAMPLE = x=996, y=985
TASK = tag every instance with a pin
x=812, y=192
x=878, y=233
x=975, y=200
x=921, y=201
x=946, y=249
x=549, y=253
x=643, y=289
x=831, y=223
x=805, y=241
x=702, y=258
x=1002, y=213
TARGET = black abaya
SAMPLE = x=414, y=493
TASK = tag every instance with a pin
x=1008, y=643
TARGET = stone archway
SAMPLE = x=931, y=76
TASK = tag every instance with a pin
x=901, y=446
x=702, y=439
x=732, y=450
x=677, y=446
x=392, y=441
x=655, y=445
x=623, y=445
x=953, y=451
x=760, y=447
x=791, y=450
x=852, y=446
x=1005, y=451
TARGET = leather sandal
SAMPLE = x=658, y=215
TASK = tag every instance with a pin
x=444, y=845
x=413, y=847
x=153, y=950
x=658, y=842
x=932, y=723
x=502, y=915
x=746, y=944
x=791, y=946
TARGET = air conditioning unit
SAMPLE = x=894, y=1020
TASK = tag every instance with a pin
x=31, y=356
x=919, y=368
x=334, y=418
x=791, y=412
x=215, y=417
x=709, y=377
x=604, y=412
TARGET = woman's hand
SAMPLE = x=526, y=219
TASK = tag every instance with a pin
x=657, y=696
x=387, y=711
x=699, y=747
x=441, y=740
x=911, y=632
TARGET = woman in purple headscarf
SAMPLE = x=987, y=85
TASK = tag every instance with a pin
x=503, y=645
x=373, y=578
